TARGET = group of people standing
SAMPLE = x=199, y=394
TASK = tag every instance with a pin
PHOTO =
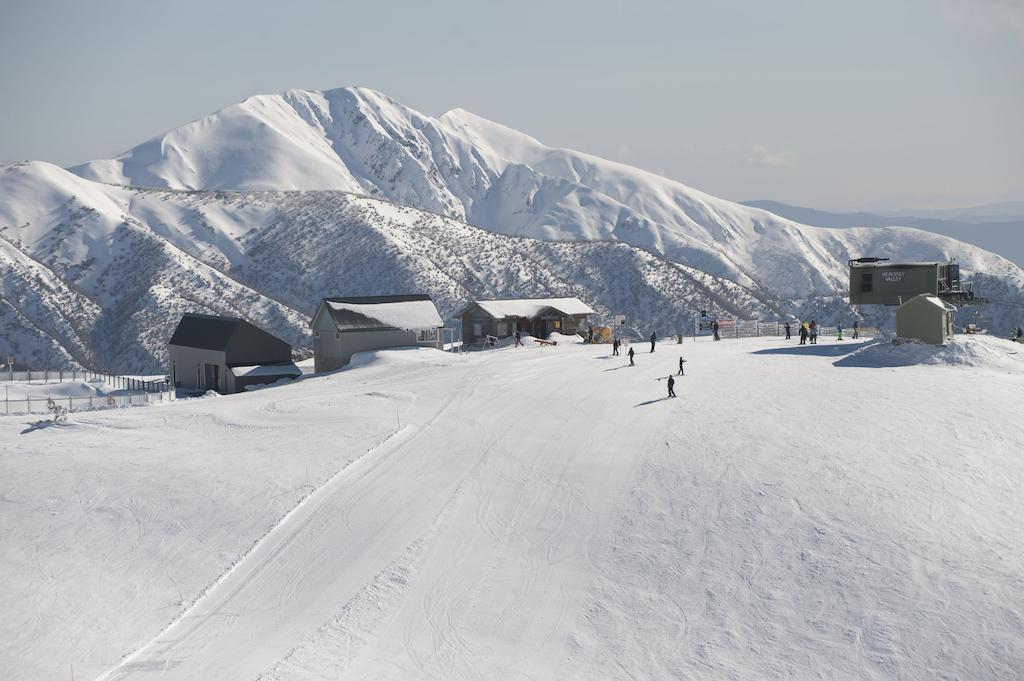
x=809, y=331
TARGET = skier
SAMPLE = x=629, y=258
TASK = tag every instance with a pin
x=714, y=327
x=631, y=357
x=590, y=335
x=839, y=330
x=519, y=340
x=856, y=329
x=814, y=332
x=671, y=386
x=804, y=332
x=788, y=336
x=654, y=338
x=615, y=346
x=681, y=362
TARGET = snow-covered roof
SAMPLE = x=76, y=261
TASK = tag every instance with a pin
x=934, y=300
x=409, y=313
x=266, y=370
x=531, y=307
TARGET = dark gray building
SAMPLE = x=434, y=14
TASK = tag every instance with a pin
x=226, y=354
x=344, y=326
x=538, y=317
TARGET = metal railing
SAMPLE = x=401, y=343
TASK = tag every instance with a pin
x=80, y=375
x=743, y=328
x=42, y=405
x=122, y=391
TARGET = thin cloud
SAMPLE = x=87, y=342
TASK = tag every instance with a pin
x=761, y=156
x=989, y=16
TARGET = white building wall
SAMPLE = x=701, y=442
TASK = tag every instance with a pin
x=188, y=371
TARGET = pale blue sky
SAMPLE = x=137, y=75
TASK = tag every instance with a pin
x=829, y=104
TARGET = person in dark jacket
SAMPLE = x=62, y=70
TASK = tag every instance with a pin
x=788, y=336
x=804, y=332
x=856, y=329
x=519, y=340
x=814, y=332
x=654, y=339
x=671, y=386
x=714, y=327
x=615, y=346
x=631, y=357
x=681, y=362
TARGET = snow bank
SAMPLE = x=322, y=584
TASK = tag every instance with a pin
x=975, y=352
x=399, y=357
x=563, y=339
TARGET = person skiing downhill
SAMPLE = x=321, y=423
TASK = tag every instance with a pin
x=519, y=340
x=681, y=362
x=654, y=338
x=671, y=386
x=631, y=357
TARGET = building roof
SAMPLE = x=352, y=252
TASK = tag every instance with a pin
x=207, y=331
x=531, y=307
x=930, y=299
x=407, y=312
x=886, y=264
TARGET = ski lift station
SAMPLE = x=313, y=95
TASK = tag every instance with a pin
x=876, y=281
x=344, y=326
x=924, y=291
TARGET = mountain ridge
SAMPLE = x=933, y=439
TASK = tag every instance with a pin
x=272, y=203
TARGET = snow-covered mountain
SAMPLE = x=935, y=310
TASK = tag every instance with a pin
x=476, y=171
x=264, y=207
x=99, y=275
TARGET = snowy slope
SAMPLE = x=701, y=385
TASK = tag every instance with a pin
x=103, y=273
x=538, y=513
x=474, y=170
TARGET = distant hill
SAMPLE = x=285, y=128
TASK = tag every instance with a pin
x=1002, y=236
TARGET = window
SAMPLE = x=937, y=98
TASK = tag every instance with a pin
x=478, y=329
x=502, y=329
x=426, y=335
x=866, y=283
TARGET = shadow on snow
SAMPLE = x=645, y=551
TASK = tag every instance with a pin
x=816, y=350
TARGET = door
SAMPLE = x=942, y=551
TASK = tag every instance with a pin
x=212, y=376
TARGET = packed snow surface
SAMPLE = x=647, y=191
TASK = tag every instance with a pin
x=409, y=314
x=499, y=309
x=533, y=513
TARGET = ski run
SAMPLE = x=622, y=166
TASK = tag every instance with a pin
x=841, y=511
